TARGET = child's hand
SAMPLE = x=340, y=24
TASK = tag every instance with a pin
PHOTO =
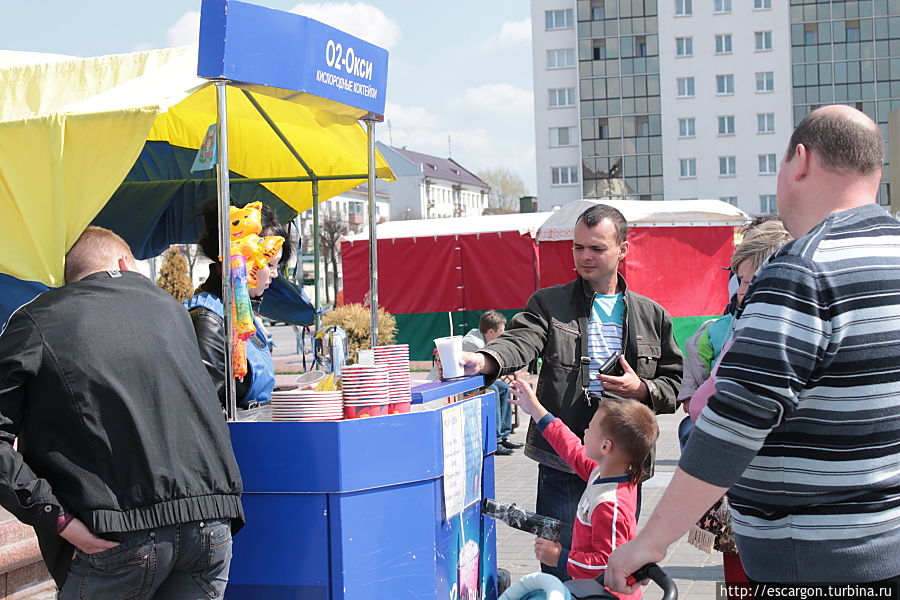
x=547, y=552
x=521, y=394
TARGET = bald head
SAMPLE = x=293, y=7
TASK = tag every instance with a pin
x=97, y=249
x=843, y=139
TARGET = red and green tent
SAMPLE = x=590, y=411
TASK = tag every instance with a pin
x=430, y=268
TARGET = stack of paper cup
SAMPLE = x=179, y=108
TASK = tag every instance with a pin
x=366, y=391
x=396, y=359
x=307, y=405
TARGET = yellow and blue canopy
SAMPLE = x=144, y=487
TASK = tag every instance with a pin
x=72, y=130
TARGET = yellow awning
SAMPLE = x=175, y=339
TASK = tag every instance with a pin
x=71, y=129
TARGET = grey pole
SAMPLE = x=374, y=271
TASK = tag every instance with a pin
x=373, y=245
x=224, y=197
x=317, y=251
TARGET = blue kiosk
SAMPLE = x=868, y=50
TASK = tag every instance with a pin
x=380, y=508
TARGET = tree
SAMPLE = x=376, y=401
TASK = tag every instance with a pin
x=331, y=230
x=506, y=188
x=173, y=276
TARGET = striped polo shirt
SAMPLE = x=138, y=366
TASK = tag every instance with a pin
x=804, y=425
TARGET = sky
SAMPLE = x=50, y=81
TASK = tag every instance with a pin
x=459, y=73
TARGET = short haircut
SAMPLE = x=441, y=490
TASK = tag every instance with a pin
x=840, y=142
x=760, y=243
x=491, y=319
x=632, y=427
x=597, y=213
x=96, y=249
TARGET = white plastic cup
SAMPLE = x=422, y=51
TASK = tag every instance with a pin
x=366, y=357
x=450, y=350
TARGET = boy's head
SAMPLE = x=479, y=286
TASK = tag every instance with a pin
x=624, y=430
x=491, y=325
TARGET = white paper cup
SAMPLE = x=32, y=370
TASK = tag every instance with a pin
x=450, y=351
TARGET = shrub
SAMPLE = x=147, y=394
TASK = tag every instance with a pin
x=355, y=320
x=173, y=275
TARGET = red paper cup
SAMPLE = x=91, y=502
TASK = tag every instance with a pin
x=396, y=408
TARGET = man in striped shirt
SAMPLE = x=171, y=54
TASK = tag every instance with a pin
x=803, y=430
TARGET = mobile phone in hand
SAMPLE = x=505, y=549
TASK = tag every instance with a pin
x=611, y=366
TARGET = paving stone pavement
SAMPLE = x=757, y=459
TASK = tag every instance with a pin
x=695, y=572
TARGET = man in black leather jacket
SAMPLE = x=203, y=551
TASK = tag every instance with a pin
x=123, y=454
x=555, y=326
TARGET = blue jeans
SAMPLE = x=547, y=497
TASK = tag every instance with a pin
x=179, y=562
x=504, y=409
x=684, y=431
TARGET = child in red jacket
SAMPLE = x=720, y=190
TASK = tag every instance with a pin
x=616, y=443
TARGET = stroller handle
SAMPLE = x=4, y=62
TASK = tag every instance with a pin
x=588, y=589
x=654, y=573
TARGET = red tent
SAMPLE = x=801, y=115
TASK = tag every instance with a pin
x=464, y=266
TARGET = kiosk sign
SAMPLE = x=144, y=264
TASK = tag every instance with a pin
x=252, y=44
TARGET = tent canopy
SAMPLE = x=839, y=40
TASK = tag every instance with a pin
x=72, y=129
x=645, y=213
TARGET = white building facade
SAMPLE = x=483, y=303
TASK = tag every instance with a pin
x=682, y=99
x=430, y=187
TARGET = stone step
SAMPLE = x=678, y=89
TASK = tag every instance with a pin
x=12, y=530
x=22, y=572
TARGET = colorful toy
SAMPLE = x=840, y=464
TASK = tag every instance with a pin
x=268, y=248
x=245, y=221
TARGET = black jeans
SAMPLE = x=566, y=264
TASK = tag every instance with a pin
x=179, y=562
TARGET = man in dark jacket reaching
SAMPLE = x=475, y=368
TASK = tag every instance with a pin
x=124, y=464
x=575, y=328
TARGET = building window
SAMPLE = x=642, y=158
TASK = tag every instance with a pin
x=762, y=4
x=563, y=136
x=765, y=122
x=560, y=58
x=765, y=81
x=732, y=200
x=763, y=40
x=853, y=30
x=809, y=33
x=726, y=125
x=768, y=203
x=562, y=97
x=767, y=164
x=723, y=43
x=687, y=167
x=602, y=129
x=600, y=50
x=687, y=127
x=724, y=85
x=685, y=87
x=640, y=45
x=683, y=8
x=722, y=6
x=559, y=19
x=727, y=166
x=564, y=175
x=598, y=10
x=642, y=125
x=684, y=46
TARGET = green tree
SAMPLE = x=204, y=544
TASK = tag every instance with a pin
x=173, y=276
x=506, y=188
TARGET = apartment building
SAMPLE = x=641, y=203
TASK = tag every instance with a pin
x=681, y=99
